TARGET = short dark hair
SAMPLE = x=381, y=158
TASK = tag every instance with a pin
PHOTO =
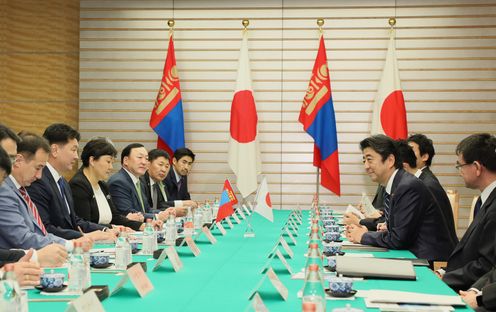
x=384, y=146
x=183, y=151
x=30, y=144
x=425, y=146
x=5, y=163
x=7, y=133
x=479, y=147
x=406, y=153
x=156, y=153
x=59, y=133
x=97, y=148
x=127, y=150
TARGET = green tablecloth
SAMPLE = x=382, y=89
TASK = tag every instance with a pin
x=222, y=277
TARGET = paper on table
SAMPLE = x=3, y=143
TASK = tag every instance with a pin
x=367, y=205
x=355, y=211
x=394, y=296
x=395, y=307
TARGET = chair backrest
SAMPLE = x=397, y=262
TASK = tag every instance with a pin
x=472, y=207
x=454, y=198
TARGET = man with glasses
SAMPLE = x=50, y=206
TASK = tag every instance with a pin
x=475, y=254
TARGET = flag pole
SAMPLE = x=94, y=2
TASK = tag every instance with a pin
x=320, y=23
x=249, y=233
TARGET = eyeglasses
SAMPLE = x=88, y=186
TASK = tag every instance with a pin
x=458, y=165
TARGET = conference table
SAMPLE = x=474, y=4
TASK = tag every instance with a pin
x=224, y=275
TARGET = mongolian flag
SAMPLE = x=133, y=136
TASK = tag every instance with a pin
x=167, y=114
x=227, y=200
x=317, y=117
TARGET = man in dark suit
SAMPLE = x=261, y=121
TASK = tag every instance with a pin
x=474, y=256
x=412, y=218
x=126, y=188
x=424, y=152
x=157, y=193
x=52, y=194
x=177, y=179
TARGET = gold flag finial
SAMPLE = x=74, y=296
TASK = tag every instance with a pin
x=320, y=23
x=245, y=23
x=171, y=23
x=392, y=21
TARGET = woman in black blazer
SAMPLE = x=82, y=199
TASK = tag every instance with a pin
x=89, y=190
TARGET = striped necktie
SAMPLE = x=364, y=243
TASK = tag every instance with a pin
x=387, y=206
x=33, y=209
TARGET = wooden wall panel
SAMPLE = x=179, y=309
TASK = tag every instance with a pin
x=446, y=55
x=39, y=63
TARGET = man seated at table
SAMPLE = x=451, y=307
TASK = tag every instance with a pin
x=424, y=153
x=126, y=189
x=153, y=180
x=52, y=194
x=20, y=224
x=177, y=179
x=49, y=256
x=412, y=218
x=474, y=256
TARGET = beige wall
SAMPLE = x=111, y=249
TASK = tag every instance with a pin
x=39, y=63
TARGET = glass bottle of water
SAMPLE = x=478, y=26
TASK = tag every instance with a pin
x=208, y=214
x=188, y=223
x=215, y=209
x=10, y=293
x=170, y=231
x=198, y=219
x=313, y=291
x=149, y=239
x=122, y=250
x=87, y=269
x=77, y=273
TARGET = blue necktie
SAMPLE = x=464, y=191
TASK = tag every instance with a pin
x=387, y=205
x=478, y=205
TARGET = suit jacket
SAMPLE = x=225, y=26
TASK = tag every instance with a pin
x=162, y=203
x=171, y=185
x=487, y=283
x=125, y=197
x=415, y=222
x=18, y=228
x=441, y=198
x=475, y=254
x=86, y=206
x=53, y=210
x=378, y=203
x=7, y=255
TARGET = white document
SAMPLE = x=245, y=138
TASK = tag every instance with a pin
x=367, y=205
x=355, y=211
x=393, y=296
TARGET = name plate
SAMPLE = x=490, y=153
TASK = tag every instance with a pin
x=171, y=254
x=290, y=235
x=86, y=302
x=286, y=247
x=257, y=304
x=228, y=220
x=209, y=235
x=247, y=211
x=275, y=281
x=192, y=246
x=221, y=228
x=240, y=212
x=140, y=280
x=236, y=218
x=284, y=262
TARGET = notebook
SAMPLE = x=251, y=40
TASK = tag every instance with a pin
x=375, y=267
